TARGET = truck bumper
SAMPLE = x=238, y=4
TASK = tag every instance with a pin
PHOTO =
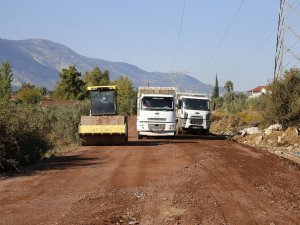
x=187, y=125
x=156, y=134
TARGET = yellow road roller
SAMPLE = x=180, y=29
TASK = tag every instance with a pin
x=103, y=126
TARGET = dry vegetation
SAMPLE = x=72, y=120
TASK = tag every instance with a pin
x=285, y=143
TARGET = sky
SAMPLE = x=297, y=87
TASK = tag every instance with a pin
x=235, y=39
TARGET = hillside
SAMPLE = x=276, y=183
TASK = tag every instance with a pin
x=39, y=61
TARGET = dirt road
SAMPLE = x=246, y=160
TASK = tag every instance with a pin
x=187, y=180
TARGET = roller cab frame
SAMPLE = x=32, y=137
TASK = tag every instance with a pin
x=103, y=126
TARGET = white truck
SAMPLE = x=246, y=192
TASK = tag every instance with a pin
x=156, y=113
x=193, y=113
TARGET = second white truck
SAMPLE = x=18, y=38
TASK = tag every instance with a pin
x=193, y=113
x=156, y=113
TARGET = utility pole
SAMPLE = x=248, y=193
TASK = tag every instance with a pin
x=287, y=54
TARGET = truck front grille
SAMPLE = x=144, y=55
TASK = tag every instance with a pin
x=156, y=127
x=196, y=120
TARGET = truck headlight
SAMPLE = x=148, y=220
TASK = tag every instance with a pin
x=185, y=115
x=207, y=116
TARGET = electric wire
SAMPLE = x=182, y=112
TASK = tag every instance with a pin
x=179, y=34
x=252, y=53
x=260, y=45
x=223, y=37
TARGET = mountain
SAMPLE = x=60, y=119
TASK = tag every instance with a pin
x=39, y=61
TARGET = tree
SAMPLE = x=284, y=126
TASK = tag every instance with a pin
x=228, y=87
x=6, y=78
x=126, y=95
x=96, y=77
x=43, y=90
x=70, y=85
x=282, y=104
x=29, y=94
x=216, y=89
x=229, y=98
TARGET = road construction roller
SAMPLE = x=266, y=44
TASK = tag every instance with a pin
x=103, y=126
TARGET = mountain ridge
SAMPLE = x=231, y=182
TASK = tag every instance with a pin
x=39, y=61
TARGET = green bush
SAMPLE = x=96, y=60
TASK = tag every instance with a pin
x=282, y=104
x=231, y=102
x=64, y=122
x=28, y=132
x=22, y=135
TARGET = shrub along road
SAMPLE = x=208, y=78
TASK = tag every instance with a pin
x=186, y=180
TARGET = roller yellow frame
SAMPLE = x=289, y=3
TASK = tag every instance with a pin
x=102, y=129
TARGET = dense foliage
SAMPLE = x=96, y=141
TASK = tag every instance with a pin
x=96, y=77
x=126, y=96
x=22, y=135
x=29, y=94
x=282, y=104
x=70, y=85
x=28, y=132
x=6, y=78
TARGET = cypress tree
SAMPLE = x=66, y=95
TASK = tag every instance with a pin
x=216, y=88
x=6, y=78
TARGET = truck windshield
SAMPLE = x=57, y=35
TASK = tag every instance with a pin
x=196, y=104
x=157, y=103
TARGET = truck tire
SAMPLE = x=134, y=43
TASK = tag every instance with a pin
x=204, y=132
x=126, y=132
x=139, y=136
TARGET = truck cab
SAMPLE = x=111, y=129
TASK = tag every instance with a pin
x=193, y=113
x=156, y=112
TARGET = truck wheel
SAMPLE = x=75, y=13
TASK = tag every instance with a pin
x=126, y=132
x=139, y=136
x=205, y=132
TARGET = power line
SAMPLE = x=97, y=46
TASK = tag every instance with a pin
x=179, y=34
x=223, y=37
x=252, y=53
x=261, y=44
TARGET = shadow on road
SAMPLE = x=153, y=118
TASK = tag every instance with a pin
x=156, y=142
x=55, y=163
x=179, y=139
x=145, y=143
x=203, y=137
